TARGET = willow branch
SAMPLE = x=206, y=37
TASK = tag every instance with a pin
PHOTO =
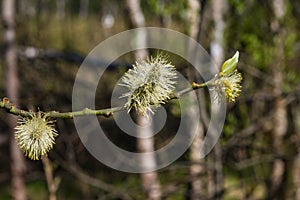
x=10, y=108
x=195, y=86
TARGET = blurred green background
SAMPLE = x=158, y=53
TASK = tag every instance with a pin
x=261, y=135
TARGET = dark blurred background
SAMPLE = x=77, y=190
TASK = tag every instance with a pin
x=257, y=156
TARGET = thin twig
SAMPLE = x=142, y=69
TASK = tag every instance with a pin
x=71, y=166
x=195, y=86
x=52, y=187
x=10, y=108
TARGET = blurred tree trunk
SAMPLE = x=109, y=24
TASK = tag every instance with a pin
x=84, y=8
x=196, y=190
x=22, y=7
x=296, y=166
x=26, y=8
x=17, y=159
x=276, y=189
x=61, y=9
x=216, y=185
x=150, y=180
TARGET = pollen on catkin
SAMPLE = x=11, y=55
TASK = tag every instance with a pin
x=228, y=81
x=230, y=84
x=35, y=135
x=150, y=83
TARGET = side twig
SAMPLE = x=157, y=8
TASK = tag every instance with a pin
x=52, y=184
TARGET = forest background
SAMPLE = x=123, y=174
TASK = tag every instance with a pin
x=257, y=156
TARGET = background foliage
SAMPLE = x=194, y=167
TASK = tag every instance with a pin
x=247, y=141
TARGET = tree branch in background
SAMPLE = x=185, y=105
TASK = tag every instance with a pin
x=52, y=185
x=74, y=169
x=31, y=52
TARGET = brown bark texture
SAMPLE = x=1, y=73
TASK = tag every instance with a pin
x=18, y=190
